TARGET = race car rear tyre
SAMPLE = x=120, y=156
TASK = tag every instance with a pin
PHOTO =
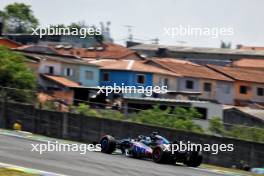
x=108, y=144
x=194, y=159
x=159, y=155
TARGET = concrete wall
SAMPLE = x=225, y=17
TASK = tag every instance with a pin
x=88, y=129
x=212, y=110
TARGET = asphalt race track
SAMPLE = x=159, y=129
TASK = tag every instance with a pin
x=17, y=151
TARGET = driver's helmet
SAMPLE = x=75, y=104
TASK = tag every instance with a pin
x=144, y=139
x=153, y=135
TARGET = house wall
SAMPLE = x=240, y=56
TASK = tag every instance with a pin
x=212, y=110
x=96, y=75
x=210, y=95
x=76, y=71
x=66, y=95
x=182, y=84
x=56, y=65
x=224, y=92
x=126, y=77
x=238, y=95
x=255, y=97
x=172, y=81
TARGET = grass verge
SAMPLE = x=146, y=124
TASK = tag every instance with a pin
x=224, y=169
x=14, y=172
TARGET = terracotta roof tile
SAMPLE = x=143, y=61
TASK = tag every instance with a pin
x=249, y=63
x=241, y=74
x=106, y=51
x=132, y=65
x=189, y=69
x=61, y=80
x=251, y=48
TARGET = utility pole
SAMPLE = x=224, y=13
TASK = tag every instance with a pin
x=129, y=31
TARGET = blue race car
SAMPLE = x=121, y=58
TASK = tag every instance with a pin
x=153, y=147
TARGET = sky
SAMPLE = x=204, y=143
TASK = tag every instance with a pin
x=150, y=17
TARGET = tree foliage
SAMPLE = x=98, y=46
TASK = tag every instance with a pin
x=180, y=118
x=14, y=73
x=242, y=132
x=85, y=109
x=19, y=18
x=216, y=126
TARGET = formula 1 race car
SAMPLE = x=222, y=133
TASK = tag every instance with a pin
x=153, y=147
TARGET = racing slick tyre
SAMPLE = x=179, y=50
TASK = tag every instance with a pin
x=108, y=144
x=160, y=155
x=194, y=159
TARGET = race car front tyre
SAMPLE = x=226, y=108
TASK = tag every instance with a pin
x=108, y=144
x=194, y=159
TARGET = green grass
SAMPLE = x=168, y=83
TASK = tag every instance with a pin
x=207, y=166
x=14, y=172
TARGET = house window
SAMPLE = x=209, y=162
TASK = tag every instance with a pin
x=243, y=90
x=189, y=84
x=260, y=91
x=207, y=87
x=106, y=76
x=140, y=79
x=50, y=70
x=68, y=72
x=89, y=75
x=164, y=82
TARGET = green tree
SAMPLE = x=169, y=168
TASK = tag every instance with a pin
x=216, y=126
x=180, y=118
x=112, y=114
x=255, y=134
x=14, y=73
x=19, y=18
x=85, y=109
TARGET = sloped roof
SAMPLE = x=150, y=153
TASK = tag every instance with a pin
x=106, y=51
x=62, y=80
x=189, y=69
x=249, y=63
x=9, y=43
x=186, y=49
x=241, y=74
x=59, y=58
x=131, y=65
x=257, y=113
x=251, y=47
